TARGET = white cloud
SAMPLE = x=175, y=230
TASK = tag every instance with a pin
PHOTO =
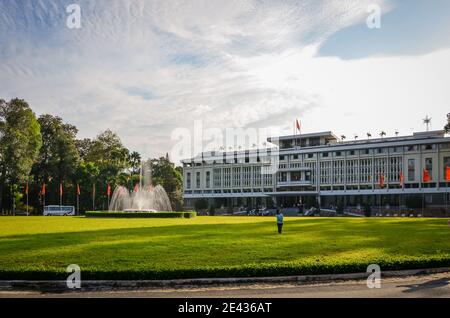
x=144, y=68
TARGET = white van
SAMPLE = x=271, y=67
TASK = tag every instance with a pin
x=59, y=210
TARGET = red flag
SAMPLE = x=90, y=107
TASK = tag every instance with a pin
x=78, y=189
x=426, y=175
x=108, y=191
x=60, y=189
x=401, y=178
x=447, y=173
x=26, y=188
x=381, y=181
x=297, y=124
x=43, y=189
x=136, y=188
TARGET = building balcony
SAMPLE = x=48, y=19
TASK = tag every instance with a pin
x=294, y=183
x=290, y=168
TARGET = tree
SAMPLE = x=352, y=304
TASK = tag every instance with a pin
x=135, y=161
x=58, y=156
x=169, y=177
x=112, y=159
x=447, y=127
x=83, y=146
x=20, y=141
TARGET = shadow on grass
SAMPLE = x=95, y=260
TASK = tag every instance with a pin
x=212, y=250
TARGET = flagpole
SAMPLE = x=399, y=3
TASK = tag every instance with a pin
x=445, y=199
x=78, y=199
x=93, y=196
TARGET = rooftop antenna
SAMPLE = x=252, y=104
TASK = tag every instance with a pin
x=427, y=121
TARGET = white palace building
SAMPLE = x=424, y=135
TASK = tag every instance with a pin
x=320, y=169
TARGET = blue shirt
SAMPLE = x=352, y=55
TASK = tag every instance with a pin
x=280, y=218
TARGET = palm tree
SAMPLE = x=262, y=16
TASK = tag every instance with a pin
x=447, y=127
x=382, y=134
x=369, y=135
x=343, y=137
x=396, y=133
x=355, y=136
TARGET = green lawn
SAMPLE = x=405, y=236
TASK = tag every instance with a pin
x=42, y=247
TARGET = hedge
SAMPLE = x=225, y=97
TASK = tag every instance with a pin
x=245, y=270
x=123, y=214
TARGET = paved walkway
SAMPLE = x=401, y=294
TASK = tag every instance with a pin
x=432, y=285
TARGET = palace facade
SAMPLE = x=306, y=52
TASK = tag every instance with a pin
x=321, y=169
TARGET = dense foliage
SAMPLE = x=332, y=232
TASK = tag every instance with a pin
x=45, y=151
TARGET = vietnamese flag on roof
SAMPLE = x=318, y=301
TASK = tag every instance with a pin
x=447, y=173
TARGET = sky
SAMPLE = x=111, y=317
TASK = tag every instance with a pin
x=147, y=68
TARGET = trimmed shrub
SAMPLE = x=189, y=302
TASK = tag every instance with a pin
x=123, y=214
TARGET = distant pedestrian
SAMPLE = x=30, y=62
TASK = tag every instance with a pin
x=279, y=221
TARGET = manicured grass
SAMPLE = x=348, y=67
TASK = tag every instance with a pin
x=114, y=248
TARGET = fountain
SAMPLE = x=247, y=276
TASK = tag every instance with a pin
x=144, y=198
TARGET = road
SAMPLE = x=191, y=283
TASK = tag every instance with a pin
x=433, y=285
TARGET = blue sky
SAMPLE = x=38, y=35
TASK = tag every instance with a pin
x=146, y=68
x=411, y=27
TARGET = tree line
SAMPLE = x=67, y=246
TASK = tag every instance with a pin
x=42, y=156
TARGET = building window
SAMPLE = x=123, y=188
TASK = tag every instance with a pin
x=429, y=166
x=281, y=157
x=197, y=180
x=338, y=153
x=294, y=157
x=295, y=176
x=282, y=177
x=411, y=169
x=325, y=154
x=208, y=179
x=315, y=141
x=188, y=180
x=310, y=155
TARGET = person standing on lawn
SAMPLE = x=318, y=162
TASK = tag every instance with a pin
x=279, y=221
